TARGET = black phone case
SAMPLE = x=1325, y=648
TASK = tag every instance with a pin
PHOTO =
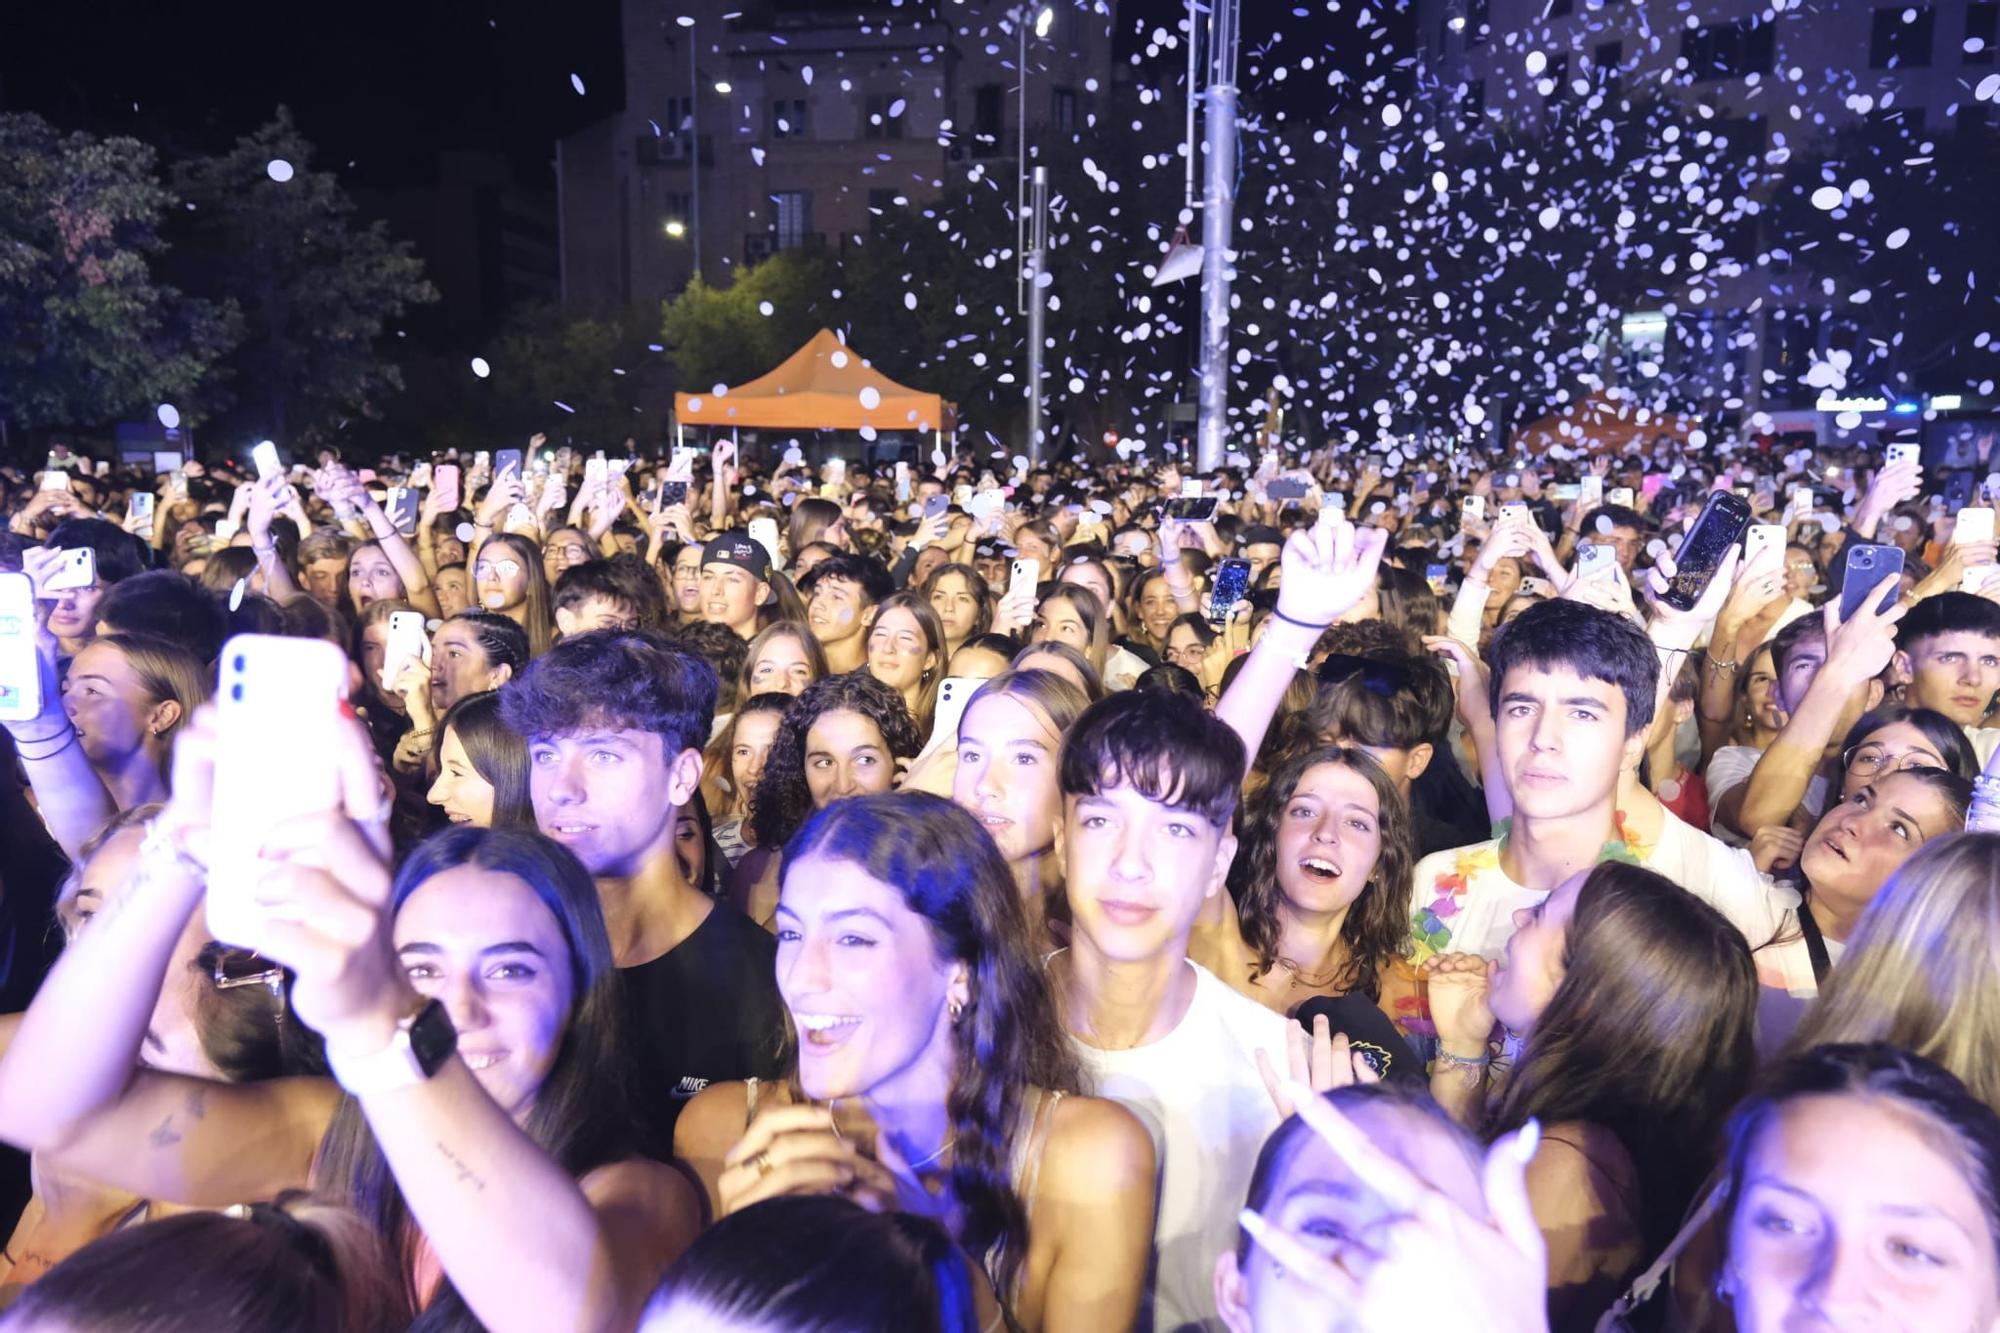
x=1230, y=581
x=1714, y=534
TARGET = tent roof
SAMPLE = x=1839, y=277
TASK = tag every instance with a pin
x=1599, y=422
x=825, y=385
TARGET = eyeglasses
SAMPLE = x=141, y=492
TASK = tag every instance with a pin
x=1868, y=760
x=505, y=569
x=1193, y=652
x=1378, y=676
x=231, y=968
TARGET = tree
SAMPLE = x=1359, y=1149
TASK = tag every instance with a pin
x=91, y=334
x=317, y=292
x=726, y=335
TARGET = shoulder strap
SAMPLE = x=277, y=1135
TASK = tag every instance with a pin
x=1647, y=1283
x=1815, y=942
x=750, y=1089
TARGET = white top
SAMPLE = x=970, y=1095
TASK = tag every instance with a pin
x=1198, y=1092
x=1465, y=902
x=1984, y=741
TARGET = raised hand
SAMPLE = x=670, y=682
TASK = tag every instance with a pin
x=1458, y=984
x=1322, y=1062
x=1327, y=569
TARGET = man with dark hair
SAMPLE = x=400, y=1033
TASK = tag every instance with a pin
x=117, y=554
x=615, y=722
x=1948, y=659
x=1398, y=708
x=1260, y=545
x=1149, y=786
x=735, y=581
x=1573, y=690
x=841, y=595
x=1622, y=529
x=168, y=605
x=593, y=596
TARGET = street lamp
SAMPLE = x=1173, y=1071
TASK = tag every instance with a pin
x=1043, y=21
x=676, y=228
x=722, y=86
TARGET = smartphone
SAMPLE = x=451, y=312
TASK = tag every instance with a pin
x=55, y=479
x=902, y=483
x=1594, y=558
x=593, y=470
x=1974, y=525
x=673, y=493
x=1516, y=510
x=482, y=460
x=1620, y=496
x=1566, y=493
x=505, y=460
x=20, y=664
x=225, y=530
x=1868, y=568
x=177, y=485
x=1024, y=574
x=1473, y=509
x=77, y=570
x=444, y=485
x=277, y=719
x=1435, y=575
x=935, y=505
x=401, y=508
x=1192, y=508
x=1906, y=453
x=265, y=456
x=1719, y=527
x=961, y=495
x=764, y=531
x=1590, y=491
x=139, y=505
x=954, y=693
x=1287, y=488
x=407, y=639
x=1762, y=537
x=1232, y=577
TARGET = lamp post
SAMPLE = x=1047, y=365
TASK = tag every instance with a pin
x=1218, y=208
x=1043, y=19
x=1037, y=307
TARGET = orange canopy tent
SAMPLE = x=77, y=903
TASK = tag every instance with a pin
x=1600, y=424
x=825, y=385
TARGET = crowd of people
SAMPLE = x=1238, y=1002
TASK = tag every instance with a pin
x=1336, y=890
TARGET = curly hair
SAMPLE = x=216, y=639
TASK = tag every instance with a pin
x=1377, y=925
x=783, y=800
x=615, y=678
x=1008, y=1039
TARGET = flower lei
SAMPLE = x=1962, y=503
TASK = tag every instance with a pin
x=1432, y=934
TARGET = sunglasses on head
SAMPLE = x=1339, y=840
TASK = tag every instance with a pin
x=1387, y=679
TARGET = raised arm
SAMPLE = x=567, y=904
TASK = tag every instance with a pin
x=72, y=799
x=265, y=497
x=1326, y=570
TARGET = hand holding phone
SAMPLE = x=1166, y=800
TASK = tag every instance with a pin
x=1707, y=547
x=1232, y=579
x=1870, y=567
x=22, y=690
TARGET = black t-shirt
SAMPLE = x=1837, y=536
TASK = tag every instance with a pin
x=1369, y=1030
x=706, y=1011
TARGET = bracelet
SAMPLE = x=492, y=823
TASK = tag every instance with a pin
x=1317, y=629
x=419, y=733
x=1447, y=1060
x=67, y=736
x=161, y=840
x=1717, y=665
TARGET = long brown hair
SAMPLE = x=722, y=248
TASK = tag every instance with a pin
x=1648, y=1035
x=1377, y=925
x=1008, y=1039
x=538, y=616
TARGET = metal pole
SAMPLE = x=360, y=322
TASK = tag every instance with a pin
x=1038, y=300
x=1021, y=165
x=1193, y=77
x=1217, y=224
x=694, y=150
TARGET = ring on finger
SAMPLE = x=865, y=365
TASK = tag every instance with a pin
x=761, y=1161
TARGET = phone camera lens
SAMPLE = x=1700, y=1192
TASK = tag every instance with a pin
x=236, y=692
x=237, y=665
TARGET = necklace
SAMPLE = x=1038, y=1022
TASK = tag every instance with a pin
x=942, y=1148
x=1311, y=980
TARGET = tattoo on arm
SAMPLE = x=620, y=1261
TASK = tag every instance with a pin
x=466, y=1174
x=166, y=1134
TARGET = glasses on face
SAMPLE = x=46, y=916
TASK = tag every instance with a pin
x=1192, y=652
x=575, y=553
x=488, y=569
x=1868, y=760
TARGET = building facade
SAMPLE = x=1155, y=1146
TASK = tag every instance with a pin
x=791, y=124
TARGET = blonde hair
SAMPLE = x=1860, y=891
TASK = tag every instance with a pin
x=1922, y=971
x=165, y=671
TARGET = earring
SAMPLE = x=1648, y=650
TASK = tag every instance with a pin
x=957, y=1011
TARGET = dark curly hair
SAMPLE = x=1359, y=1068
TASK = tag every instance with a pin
x=1008, y=1038
x=1378, y=922
x=783, y=800
x=615, y=678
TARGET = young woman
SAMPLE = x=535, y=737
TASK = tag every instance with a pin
x=565, y=548
x=814, y=520
x=963, y=602
x=846, y=1270
x=126, y=697
x=1754, y=726
x=507, y=578
x=1188, y=639
x=453, y=585
x=903, y=958
x=1088, y=571
x=1064, y=661
x=784, y=658
x=1635, y=1003
x=685, y=583
x=984, y=656
x=482, y=767
x=474, y=652
x=1319, y=892
x=1068, y=614
x=734, y=762
x=844, y=736
x=508, y=1110
x=1861, y=1190
x=906, y=651
x=1151, y=612
x=1009, y=739
x=371, y=578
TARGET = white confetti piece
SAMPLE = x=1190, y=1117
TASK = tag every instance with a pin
x=278, y=170
x=480, y=368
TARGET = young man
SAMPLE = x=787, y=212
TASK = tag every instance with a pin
x=1948, y=654
x=614, y=723
x=1260, y=545
x=1398, y=708
x=735, y=582
x=1573, y=690
x=1149, y=786
x=841, y=595
x=593, y=596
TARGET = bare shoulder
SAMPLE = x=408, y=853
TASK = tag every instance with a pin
x=1096, y=1144
x=1583, y=1165
x=712, y=1121
x=639, y=1182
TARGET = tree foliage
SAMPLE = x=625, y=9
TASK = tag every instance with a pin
x=91, y=333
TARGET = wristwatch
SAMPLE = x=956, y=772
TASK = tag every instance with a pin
x=424, y=1040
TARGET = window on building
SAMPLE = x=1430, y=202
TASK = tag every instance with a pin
x=1982, y=25
x=677, y=128
x=1561, y=8
x=1064, y=111
x=1606, y=60
x=791, y=218
x=882, y=116
x=1557, y=74
x=1728, y=50
x=1897, y=43
x=1475, y=99
x=988, y=123
x=1478, y=22
x=788, y=118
